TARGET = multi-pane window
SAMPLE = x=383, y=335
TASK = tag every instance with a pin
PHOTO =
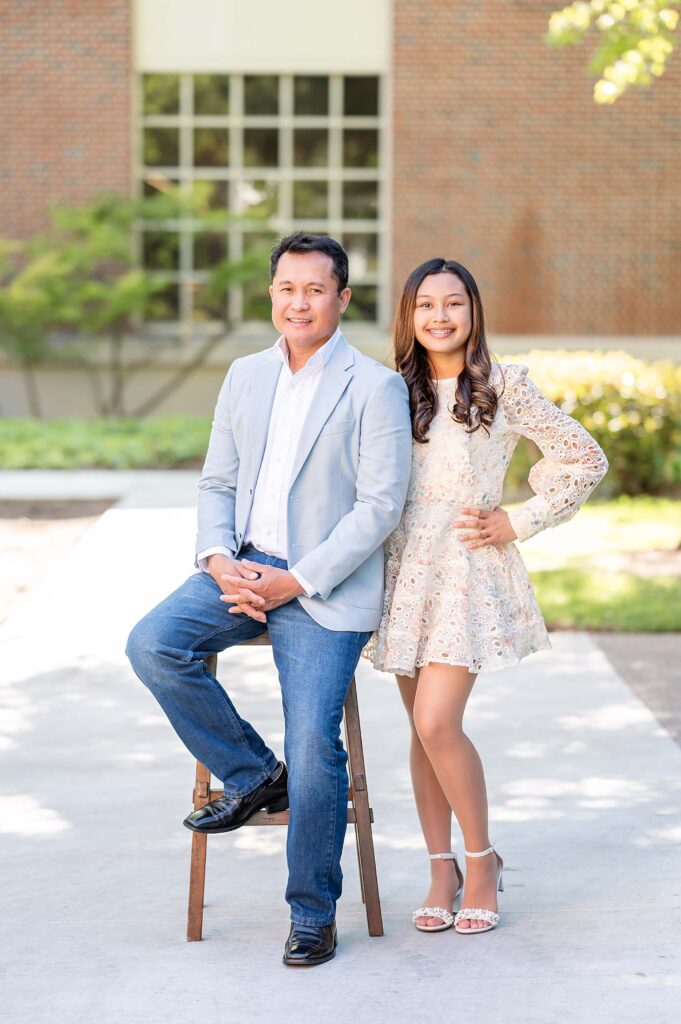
x=282, y=151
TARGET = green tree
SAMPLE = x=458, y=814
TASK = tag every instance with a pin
x=636, y=39
x=29, y=284
x=80, y=295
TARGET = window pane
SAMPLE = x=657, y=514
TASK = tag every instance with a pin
x=165, y=304
x=360, y=96
x=161, y=94
x=360, y=147
x=259, y=242
x=362, y=250
x=363, y=303
x=161, y=250
x=211, y=147
x=161, y=147
x=209, y=250
x=206, y=305
x=261, y=94
x=310, y=199
x=310, y=94
x=211, y=94
x=155, y=183
x=259, y=198
x=211, y=195
x=310, y=147
x=261, y=147
x=257, y=304
x=360, y=200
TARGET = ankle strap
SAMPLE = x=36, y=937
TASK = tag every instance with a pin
x=442, y=856
x=483, y=853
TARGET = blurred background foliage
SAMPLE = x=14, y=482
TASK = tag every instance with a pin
x=635, y=40
x=84, y=292
x=632, y=408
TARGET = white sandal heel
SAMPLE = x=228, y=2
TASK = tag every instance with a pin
x=446, y=916
x=480, y=913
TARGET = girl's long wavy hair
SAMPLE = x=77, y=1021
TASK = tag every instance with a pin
x=475, y=402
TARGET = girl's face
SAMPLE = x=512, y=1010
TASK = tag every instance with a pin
x=443, y=315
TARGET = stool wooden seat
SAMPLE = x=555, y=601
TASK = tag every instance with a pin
x=360, y=815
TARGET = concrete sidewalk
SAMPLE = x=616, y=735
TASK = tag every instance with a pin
x=584, y=792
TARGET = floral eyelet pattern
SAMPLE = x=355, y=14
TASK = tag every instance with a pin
x=448, y=604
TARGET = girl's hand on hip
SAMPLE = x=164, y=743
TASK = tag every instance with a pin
x=482, y=527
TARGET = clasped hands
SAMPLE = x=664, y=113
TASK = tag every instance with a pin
x=484, y=527
x=251, y=588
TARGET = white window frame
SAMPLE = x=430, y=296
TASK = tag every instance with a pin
x=283, y=175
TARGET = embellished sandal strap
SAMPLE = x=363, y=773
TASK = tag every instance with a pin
x=477, y=914
x=446, y=915
x=482, y=853
x=442, y=856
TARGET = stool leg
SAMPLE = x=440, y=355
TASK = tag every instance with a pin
x=360, y=799
x=197, y=872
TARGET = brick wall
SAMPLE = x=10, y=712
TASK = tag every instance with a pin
x=65, y=106
x=568, y=214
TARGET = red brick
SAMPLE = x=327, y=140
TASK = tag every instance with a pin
x=567, y=213
x=65, y=106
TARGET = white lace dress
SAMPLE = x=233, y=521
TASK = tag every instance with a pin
x=444, y=602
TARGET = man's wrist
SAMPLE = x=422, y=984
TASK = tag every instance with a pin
x=203, y=557
x=305, y=586
x=298, y=588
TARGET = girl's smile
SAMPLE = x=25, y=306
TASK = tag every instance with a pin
x=442, y=322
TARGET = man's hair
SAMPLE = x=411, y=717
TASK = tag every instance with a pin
x=300, y=242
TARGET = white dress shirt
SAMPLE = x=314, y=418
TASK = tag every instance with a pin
x=267, y=524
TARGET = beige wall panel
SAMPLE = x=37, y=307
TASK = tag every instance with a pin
x=230, y=35
x=65, y=392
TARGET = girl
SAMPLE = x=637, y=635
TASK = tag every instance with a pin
x=458, y=599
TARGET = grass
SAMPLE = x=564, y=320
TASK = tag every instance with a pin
x=160, y=442
x=580, y=568
x=572, y=599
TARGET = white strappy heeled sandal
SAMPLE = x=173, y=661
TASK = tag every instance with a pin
x=480, y=913
x=445, y=915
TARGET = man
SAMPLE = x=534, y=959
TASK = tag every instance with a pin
x=305, y=476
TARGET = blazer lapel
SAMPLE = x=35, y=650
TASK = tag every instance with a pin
x=335, y=378
x=261, y=399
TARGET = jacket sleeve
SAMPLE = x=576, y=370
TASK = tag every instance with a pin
x=382, y=481
x=572, y=464
x=217, y=486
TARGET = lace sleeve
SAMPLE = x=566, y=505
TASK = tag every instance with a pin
x=572, y=464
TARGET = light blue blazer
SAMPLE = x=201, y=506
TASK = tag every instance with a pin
x=348, y=484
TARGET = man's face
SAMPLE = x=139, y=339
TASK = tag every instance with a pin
x=306, y=303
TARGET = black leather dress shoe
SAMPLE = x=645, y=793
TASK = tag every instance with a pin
x=308, y=945
x=227, y=813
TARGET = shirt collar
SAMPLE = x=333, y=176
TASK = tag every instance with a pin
x=321, y=356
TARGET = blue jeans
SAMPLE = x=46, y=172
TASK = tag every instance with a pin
x=166, y=649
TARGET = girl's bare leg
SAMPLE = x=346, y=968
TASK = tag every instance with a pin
x=434, y=812
x=438, y=709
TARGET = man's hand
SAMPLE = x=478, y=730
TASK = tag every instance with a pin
x=220, y=565
x=483, y=527
x=274, y=587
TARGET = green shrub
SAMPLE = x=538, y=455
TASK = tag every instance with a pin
x=115, y=444
x=632, y=408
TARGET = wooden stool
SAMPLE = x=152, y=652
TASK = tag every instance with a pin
x=359, y=814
